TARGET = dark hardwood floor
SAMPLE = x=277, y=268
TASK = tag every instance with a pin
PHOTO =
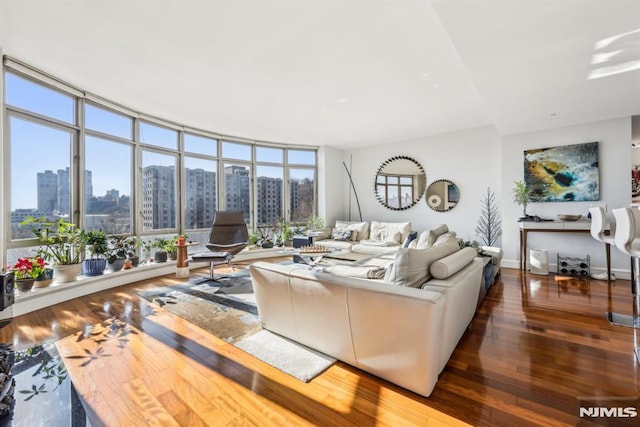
x=536, y=347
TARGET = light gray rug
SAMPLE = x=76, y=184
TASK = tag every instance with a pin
x=290, y=357
x=227, y=309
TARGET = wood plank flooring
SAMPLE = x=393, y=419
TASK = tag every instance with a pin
x=535, y=346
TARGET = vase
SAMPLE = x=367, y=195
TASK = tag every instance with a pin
x=116, y=265
x=24, y=285
x=44, y=279
x=135, y=260
x=94, y=267
x=67, y=272
x=160, y=256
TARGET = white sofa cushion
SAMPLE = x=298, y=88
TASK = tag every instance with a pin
x=451, y=264
x=337, y=244
x=361, y=229
x=411, y=266
x=388, y=231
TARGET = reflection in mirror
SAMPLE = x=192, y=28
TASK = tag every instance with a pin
x=400, y=183
x=442, y=195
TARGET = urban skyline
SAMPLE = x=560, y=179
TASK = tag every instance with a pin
x=112, y=211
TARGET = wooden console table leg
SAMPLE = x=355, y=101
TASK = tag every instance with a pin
x=607, y=248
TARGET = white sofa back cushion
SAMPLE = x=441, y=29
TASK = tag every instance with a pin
x=388, y=231
x=411, y=266
x=360, y=229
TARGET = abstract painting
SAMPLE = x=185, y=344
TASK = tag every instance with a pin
x=567, y=173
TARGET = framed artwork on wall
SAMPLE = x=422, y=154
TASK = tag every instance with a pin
x=566, y=173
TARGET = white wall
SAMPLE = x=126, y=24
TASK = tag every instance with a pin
x=331, y=184
x=614, y=144
x=471, y=159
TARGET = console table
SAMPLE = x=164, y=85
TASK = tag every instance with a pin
x=527, y=227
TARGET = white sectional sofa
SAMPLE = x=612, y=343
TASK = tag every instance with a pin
x=402, y=328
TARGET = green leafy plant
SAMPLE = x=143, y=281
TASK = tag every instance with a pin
x=60, y=241
x=117, y=248
x=96, y=243
x=315, y=222
x=522, y=195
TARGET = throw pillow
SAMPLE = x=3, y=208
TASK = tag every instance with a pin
x=360, y=229
x=342, y=235
x=435, y=233
x=411, y=237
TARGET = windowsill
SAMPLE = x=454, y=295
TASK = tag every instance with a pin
x=55, y=293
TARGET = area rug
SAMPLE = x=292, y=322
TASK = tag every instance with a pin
x=227, y=309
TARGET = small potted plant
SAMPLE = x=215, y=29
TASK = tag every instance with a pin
x=132, y=243
x=60, y=243
x=522, y=195
x=26, y=271
x=117, y=253
x=160, y=255
x=98, y=247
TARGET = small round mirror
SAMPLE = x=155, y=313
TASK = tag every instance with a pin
x=442, y=195
x=400, y=183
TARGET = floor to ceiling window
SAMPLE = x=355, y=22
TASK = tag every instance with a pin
x=102, y=166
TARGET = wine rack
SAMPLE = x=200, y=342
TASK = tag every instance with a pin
x=576, y=267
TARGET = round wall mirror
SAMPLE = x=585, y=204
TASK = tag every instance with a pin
x=442, y=195
x=400, y=183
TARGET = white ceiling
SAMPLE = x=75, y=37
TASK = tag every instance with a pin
x=344, y=73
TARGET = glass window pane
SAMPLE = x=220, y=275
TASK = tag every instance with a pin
x=237, y=179
x=302, y=194
x=29, y=95
x=407, y=196
x=159, y=196
x=158, y=135
x=107, y=121
x=392, y=180
x=107, y=190
x=269, y=194
x=234, y=150
x=40, y=185
x=201, y=193
x=392, y=197
x=269, y=154
x=406, y=180
x=200, y=144
x=301, y=157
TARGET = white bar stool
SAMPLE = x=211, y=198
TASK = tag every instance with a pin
x=627, y=240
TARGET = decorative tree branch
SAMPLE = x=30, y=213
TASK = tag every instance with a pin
x=489, y=226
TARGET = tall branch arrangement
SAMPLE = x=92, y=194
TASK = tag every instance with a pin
x=489, y=226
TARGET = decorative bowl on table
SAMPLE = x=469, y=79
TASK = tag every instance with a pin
x=568, y=217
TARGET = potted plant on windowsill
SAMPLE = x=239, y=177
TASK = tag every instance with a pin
x=117, y=253
x=97, y=245
x=60, y=243
x=26, y=271
x=160, y=255
x=131, y=245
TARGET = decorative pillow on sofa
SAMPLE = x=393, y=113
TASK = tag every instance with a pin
x=411, y=266
x=410, y=238
x=360, y=229
x=342, y=235
x=388, y=231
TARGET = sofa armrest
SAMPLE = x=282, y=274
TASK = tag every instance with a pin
x=495, y=252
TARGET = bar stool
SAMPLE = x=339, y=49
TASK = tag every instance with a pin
x=599, y=232
x=627, y=240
